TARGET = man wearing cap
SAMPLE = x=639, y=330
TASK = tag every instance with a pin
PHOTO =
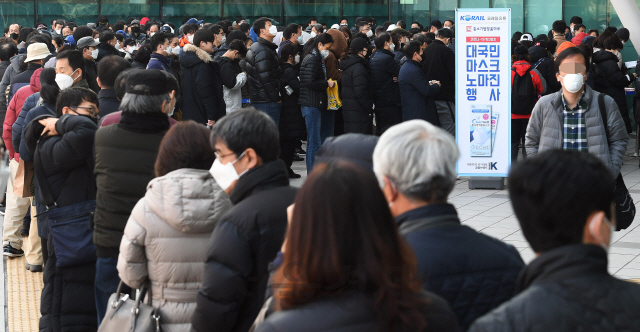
x=125, y=159
x=35, y=53
x=89, y=49
x=439, y=65
x=135, y=31
x=103, y=23
x=193, y=20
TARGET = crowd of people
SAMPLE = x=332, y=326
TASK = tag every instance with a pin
x=175, y=145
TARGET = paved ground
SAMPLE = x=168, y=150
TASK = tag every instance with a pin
x=488, y=211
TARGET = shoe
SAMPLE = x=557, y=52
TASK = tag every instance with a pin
x=301, y=151
x=294, y=175
x=32, y=268
x=11, y=251
x=2, y=210
x=297, y=158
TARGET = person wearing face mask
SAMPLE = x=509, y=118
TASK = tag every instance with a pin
x=14, y=32
x=88, y=47
x=291, y=35
x=135, y=32
x=160, y=60
x=357, y=101
x=313, y=95
x=252, y=231
x=564, y=203
x=416, y=91
x=153, y=29
x=203, y=99
x=130, y=49
x=221, y=46
x=107, y=46
x=365, y=28
x=70, y=70
x=439, y=65
x=609, y=79
x=386, y=91
x=63, y=151
x=56, y=28
x=233, y=78
x=188, y=32
x=570, y=119
x=263, y=68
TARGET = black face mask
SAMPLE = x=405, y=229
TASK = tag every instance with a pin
x=135, y=29
x=94, y=120
x=14, y=36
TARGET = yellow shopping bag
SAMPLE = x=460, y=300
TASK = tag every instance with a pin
x=333, y=98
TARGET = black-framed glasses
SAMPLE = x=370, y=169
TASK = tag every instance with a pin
x=92, y=110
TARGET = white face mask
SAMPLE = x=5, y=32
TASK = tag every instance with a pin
x=573, y=82
x=313, y=34
x=392, y=47
x=151, y=34
x=223, y=40
x=97, y=40
x=59, y=32
x=94, y=54
x=324, y=53
x=190, y=38
x=273, y=30
x=176, y=50
x=225, y=174
x=369, y=33
x=623, y=42
x=168, y=49
x=297, y=59
x=301, y=40
x=131, y=49
x=65, y=81
x=117, y=46
x=612, y=229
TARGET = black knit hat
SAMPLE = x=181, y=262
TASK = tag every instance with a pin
x=150, y=82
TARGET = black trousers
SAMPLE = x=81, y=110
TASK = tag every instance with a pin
x=387, y=116
x=518, y=131
x=287, y=149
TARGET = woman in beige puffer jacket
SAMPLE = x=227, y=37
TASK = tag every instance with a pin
x=167, y=235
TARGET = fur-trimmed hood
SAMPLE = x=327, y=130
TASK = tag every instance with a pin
x=192, y=56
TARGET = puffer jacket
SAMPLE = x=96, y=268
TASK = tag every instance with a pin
x=202, y=93
x=12, y=71
x=545, y=129
x=15, y=108
x=263, y=71
x=313, y=82
x=357, y=103
x=105, y=50
x=183, y=207
x=610, y=80
x=16, y=135
x=384, y=68
x=233, y=79
x=545, y=68
x=567, y=289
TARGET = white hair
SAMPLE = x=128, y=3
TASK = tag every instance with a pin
x=419, y=158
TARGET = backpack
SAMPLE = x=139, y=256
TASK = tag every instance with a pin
x=523, y=93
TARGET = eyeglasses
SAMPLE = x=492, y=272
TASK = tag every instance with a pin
x=219, y=156
x=93, y=111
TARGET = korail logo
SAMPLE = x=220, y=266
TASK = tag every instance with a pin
x=469, y=18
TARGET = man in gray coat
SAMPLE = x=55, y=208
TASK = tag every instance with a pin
x=570, y=119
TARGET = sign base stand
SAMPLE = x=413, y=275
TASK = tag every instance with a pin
x=486, y=183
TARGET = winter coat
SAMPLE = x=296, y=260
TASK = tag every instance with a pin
x=3, y=104
x=108, y=102
x=138, y=65
x=439, y=65
x=18, y=126
x=105, y=50
x=398, y=56
x=385, y=91
x=67, y=302
x=23, y=79
x=357, y=102
x=474, y=278
x=417, y=94
x=545, y=129
x=521, y=67
x=233, y=79
x=243, y=243
x=545, y=68
x=263, y=71
x=560, y=39
x=15, y=108
x=160, y=62
x=330, y=314
x=220, y=51
x=611, y=81
x=91, y=75
x=292, y=124
x=12, y=71
x=337, y=49
x=567, y=289
x=121, y=181
x=181, y=207
x=313, y=82
x=202, y=93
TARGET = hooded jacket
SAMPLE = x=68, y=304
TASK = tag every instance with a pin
x=12, y=71
x=22, y=79
x=384, y=68
x=17, y=129
x=521, y=67
x=233, y=79
x=611, y=81
x=14, y=109
x=545, y=68
x=202, y=93
x=313, y=82
x=417, y=94
x=3, y=105
x=338, y=48
x=357, y=103
x=183, y=207
x=263, y=71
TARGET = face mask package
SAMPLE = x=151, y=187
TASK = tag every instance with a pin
x=481, y=131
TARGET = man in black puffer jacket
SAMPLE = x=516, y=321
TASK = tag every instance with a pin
x=564, y=203
x=541, y=61
x=357, y=104
x=384, y=81
x=250, y=235
x=263, y=70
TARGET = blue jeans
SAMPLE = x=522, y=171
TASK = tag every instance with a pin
x=319, y=127
x=272, y=109
x=106, y=283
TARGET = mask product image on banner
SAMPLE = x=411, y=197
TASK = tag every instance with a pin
x=480, y=131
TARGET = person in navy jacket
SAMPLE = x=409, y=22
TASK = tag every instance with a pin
x=160, y=59
x=416, y=93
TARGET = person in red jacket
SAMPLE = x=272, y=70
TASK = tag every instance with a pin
x=524, y=96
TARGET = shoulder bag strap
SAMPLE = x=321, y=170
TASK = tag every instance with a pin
x=603, y=114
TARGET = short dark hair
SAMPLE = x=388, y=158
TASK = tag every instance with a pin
x=361, y=24
x=215, y=29
x=75, y=58
x=143, y=54
x=554, y=192
x=72, y=97
x=569, y=52
x=120, y=84
x=410, y=48
x=185, y=145
x=381, y=40
x=82, y=31
x=286, y=51
x=260, y=24
x=291, y=29
x=420, y=38
x=575, y=20
x=594, y=30
x=158, y=39
x=324, y=38
x=109, y=68
x=7, y=50
x=559, y=26
x=24, y=33
x=238, y=45
x=310, y=20
x=203, y=35
x=402, y=24
x=578, y=26
x=613, y=43
x=189, y=28
x=107, y=36
x=248, y=128
x=49, y=89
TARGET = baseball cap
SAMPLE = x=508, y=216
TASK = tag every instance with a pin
x=69, y=40
x=37, y=51
x=526, y=37
x=135, y=22
x=193, y=20
x=391, y=27
x=87, y=42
